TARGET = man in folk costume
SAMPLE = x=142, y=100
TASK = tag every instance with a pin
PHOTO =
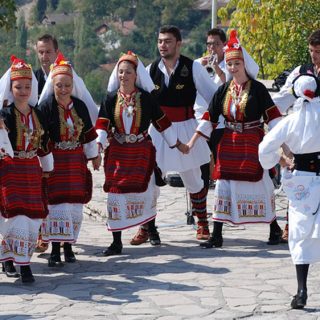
x=244, y=191
x=285, y=99
x=300, y=131
x=23, y=203
x=47, y=52
x=130, y=167
x=177, y=80
x=67, y=103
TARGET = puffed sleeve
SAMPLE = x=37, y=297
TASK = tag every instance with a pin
x=162, y=123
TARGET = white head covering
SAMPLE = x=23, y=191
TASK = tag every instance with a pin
x=6, y=93
x=233, y=45
x=79, y=91
x=143, y=80
x=307, y=117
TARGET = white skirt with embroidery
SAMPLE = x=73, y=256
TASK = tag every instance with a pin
x=126, y=210
x=172, y=159
x=63, y=223
x=302, y=189
x=18, y=236
x=241, y=202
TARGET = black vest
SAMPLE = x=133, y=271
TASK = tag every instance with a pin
x=41, y=80
x=181, y=91
x=307, y=68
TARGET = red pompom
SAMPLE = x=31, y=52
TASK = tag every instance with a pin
x=308, y=93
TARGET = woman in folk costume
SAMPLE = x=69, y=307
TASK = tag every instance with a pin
x=73, y=143
x=244, y=191
x=23, y=204
x=300, y=131
x=129, y=162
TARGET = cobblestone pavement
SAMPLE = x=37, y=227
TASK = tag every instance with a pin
x=245, y=279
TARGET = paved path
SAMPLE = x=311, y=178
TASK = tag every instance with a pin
x=246, y=279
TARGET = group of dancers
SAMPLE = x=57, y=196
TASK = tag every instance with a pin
x=154, y=120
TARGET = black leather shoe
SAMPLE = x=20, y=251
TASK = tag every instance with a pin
x=9, y=269
x=299, y=300
x=69, y=256
x=275, y=238
x=112, y=250
x=154, y=238
x=54, y=260
x=214, y=241
x=26, y=274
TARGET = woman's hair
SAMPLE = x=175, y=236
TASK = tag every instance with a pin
x=314, y=38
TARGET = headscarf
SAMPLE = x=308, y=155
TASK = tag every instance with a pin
x=234, y=50
x=19, y=70
x=143, y=79
x=80, y=91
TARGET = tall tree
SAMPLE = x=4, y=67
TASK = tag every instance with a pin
x=22, y=33
x=7, y=14
x=274, y=32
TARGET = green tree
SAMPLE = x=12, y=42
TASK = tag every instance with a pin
x=7, y=14
x=274, y=32
x=22, y=33
x=96, y=82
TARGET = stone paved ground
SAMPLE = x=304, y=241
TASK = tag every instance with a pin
x=246, y=279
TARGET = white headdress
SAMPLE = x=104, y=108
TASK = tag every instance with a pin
x=307, y=116
x=143, y=80
x=18, y=70
x=233, y=50
x=80, y=91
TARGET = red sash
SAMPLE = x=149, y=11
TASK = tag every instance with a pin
x=237, y=156
x=128, y=166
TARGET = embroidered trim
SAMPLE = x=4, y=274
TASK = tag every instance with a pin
x=232, y=96
x=136, y=112
x=67, y=132
x=23, y=131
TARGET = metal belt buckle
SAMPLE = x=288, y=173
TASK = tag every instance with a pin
x=238, y=127
x=131, y=138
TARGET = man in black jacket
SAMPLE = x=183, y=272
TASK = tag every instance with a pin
x=47, y=51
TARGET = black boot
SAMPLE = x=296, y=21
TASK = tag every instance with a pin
x=153, y=233
x=55, y=258
x=216, y=239
x=116, y=246
x=9, y=269
x=275, y=233
x=299, y=300
x=68, y=253
x=26, y=274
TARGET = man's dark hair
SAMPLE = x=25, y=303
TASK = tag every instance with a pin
x=173, y=30
x=48, y=38
x=314, y=38
x=217, y=32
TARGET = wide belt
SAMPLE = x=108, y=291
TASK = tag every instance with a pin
x=25, y=154
x=67, y=145
x=130, y=138
x=307, y=162
x=178, y=113
x=241, y=126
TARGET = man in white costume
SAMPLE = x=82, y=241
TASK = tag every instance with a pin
x=177, y=80
x=300, y=132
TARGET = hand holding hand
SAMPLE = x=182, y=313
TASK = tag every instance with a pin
x=286, y=162
x=96, y=162
x=183, y=148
